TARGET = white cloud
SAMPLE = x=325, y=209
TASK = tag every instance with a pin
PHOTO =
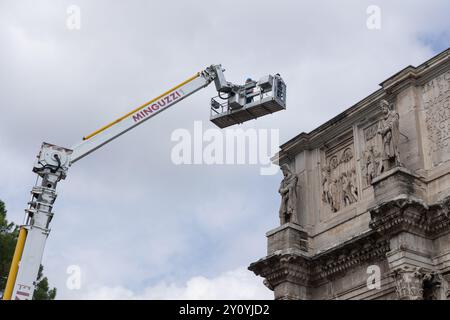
x=239, y=284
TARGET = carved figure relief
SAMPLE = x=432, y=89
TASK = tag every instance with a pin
x=339, y=183
x=372, y=164
x=436, y=103
x=381, y=142
x=288, y=192
x=371, y=157
x=327, y=196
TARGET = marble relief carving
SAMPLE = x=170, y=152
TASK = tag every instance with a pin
x=371, y=158
x=381, y=141
x=339, y=183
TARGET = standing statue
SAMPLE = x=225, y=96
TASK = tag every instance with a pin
x=288, y=192
x=389, y=131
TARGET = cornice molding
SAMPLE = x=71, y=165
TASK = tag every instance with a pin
x=362, y=109
x=412, y=215
x=305, y=271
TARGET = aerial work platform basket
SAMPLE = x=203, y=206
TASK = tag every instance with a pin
x=253, y=100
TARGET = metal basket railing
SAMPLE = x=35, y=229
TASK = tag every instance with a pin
x=220, y=106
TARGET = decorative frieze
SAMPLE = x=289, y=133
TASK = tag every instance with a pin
x=366, y=249
x=411, y=215
x=291, y=265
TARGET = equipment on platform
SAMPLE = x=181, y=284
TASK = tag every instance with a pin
x=234, y=104
x=250, y=101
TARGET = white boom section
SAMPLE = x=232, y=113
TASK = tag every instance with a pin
x=31, y=258
x=39, y=215
x=139, y=116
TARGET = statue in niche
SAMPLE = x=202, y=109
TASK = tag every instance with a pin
x=288, y=192
x=389, y=131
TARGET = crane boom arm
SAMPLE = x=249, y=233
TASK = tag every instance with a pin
x=141, y=114
x=252, y=100
x=52, y=165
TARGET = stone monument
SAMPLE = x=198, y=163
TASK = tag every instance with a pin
x=365, y=198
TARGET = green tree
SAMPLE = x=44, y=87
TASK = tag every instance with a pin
x=42, y=291
x=9, y=233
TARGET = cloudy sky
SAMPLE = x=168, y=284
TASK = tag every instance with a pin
x=137, y=225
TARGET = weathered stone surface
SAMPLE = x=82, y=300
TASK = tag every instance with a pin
x=372, y=198
x=398, y=182
x=287, y=236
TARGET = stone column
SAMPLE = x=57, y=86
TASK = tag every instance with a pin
x=400, y=215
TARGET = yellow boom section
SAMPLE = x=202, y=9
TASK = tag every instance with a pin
x=140, y=107
x=15, y=264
